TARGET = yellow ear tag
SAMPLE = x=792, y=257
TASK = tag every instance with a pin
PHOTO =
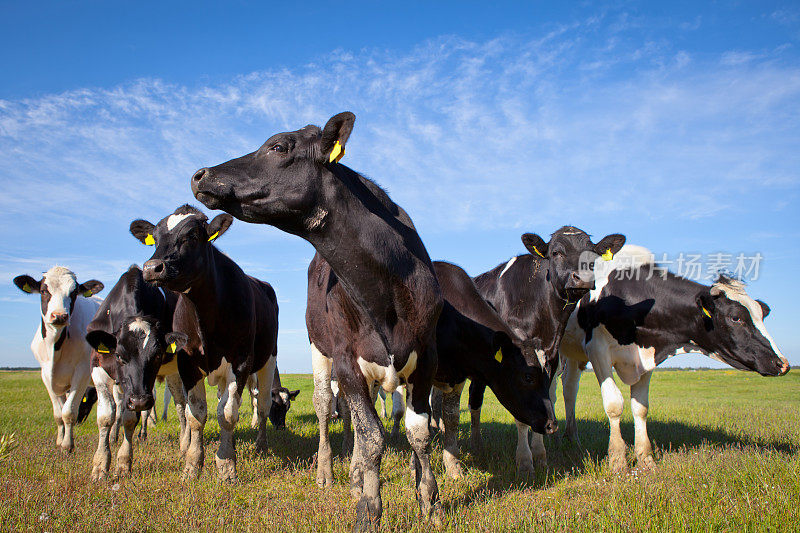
x=607, y=255
x=705, y=312
x=171, y=348
x=149, y=240
x=337, y=153
x=499, y=355
x=87, y=294
x=27, y=288
x=103, y=349
x=535, y=249
x=216, y=234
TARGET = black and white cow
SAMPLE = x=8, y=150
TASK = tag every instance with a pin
x=636, y=317
x=58, y=344
x=378, y=321
x=281, y=401
x=131, y=334
x=230, y=319
x=535, y=294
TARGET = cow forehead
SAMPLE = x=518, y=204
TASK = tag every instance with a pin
x=139, y=325
x=575, y=239
x=736, y=294
x=174, y=220
x=60, y=280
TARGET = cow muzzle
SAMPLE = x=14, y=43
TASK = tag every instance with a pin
x=141, y=403
x=575, y=282
x=59, y=319
x=154, y=270
x=550, y=427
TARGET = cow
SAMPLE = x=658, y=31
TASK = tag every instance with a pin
x=281, y=401
x=58, y=344
x=535, y=294
x=383, y=310
x=640, y=314
x=230, y=320
x=133, y=342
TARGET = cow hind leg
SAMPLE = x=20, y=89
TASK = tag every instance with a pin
x=570, y=381
x=174, y=388
x=323, y=406
x=639, y=405
x=476, y=391
x=523, y=457
x=263, y=401
x=228, y=416
x=196, y=414
x=125, y=452
x=613, y=404
x=398, y=410
x=57, y=402
x=450, y=411
x=419, y=436
x=106, y=407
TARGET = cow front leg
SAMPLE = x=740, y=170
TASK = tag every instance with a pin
x=436, y=410
x=640, y=392
x=476, y=391
x=263, y=401
x=523, y=457
x=252, y=388
x=101, y=462
x=125, y=452
x=398, y=410
x=613, y=404
x=570, y=381
x=174, y=388
x=69, y=413
x=119, y=397
x=323, y=406
x=228, y=416
x=451, y=403
x=419, y=437
x=196, y=413
x=57, y=403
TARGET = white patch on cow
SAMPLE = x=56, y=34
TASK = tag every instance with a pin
x=629, y=360
x=174, y=220
x=386, y=376
x=414, y=420
x=60, y=282
x=630, y=256
x=220, y=373
x=138, y=324
x=734, y=290
x=284, y=396
x=316, y=219
x=541, y=357
x=508, y=265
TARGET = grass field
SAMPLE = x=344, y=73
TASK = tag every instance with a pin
x=726, y=442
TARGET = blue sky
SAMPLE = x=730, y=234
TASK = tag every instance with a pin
x=675, y=124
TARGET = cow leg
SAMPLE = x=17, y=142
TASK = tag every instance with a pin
x=570, y=381
x=125, y=452
x=524, y=457
x=398, y=409
x=476, y=390
x=323, y=406
x=436, y=410
x=174, y=388
x=451, y=403
x=167, y=398
x=419, y=436
x=639, y=404
x=381, y=398
x=57, y=402
x=69, y=413
x=263, y=401
x=347, y=430
x=228, y=416
x=613, y=404
x=196, y=414
x=106, y=408
x=119, y=398
x=252, y=388
x=538, y=451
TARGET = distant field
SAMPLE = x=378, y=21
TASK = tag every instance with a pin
x=726, y=442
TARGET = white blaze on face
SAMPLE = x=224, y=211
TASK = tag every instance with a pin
x=284, y=396
x=60, y=283
x=140, y=325
x=734, y=290
x=174, y=220
x=508, y=265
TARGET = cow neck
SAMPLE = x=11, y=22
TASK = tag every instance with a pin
x=206, y=293
x=550, y=320
x=681, y=326
x=53, y=338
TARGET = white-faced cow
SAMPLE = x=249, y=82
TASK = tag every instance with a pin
x=58, y=344
x=636, y=317
x=281, y=401
x=535, y=294
x=230, y=319
x=378, y=321
x=134, y=344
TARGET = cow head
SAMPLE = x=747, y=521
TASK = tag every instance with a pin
x=564, y=255
x=734, y=331
x=140, y=348
x=283, y=182
x=522, y=388
x=281, y=402
x=182, y=246
x=58, y=290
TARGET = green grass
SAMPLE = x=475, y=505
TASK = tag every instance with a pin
x=726, y=443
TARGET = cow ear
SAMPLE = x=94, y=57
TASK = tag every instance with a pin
x=764, y=309
x=275, y=395
x=28, y=284
x=293, y=394
x=534, y=244
x=705, y=303
x=175, y=341
x=143, y=230
x=90, y=288
x=609, y=245
x=101, y=341
x=218, y=226
x=335, y=135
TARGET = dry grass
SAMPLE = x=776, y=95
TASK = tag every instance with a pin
x=726, y=443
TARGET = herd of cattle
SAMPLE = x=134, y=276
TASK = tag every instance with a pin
x=381, y=316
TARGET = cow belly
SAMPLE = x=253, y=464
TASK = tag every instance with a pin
x=220, y=373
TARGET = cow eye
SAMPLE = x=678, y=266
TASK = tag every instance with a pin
x=279, y=148
x=558, y=253
x=736, y=320
x=529, y=378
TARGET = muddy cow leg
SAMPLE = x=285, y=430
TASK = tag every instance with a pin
x=263, y=402
x=106, y=408
x=419, y=436
x=476, y=391
x=323, y=405
x=175, y=389
x=639, y=405
x=196, y=414
x=450, y=410
x=125, y=452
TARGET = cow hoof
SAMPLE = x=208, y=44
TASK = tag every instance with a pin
x=619, y=466
x=66, y=451
x=123, y=471
x=226, y=468
x=323, y=481
x=540, y=462
x=98, y=474
x=525, y=468
x=455, y=472
x=436, y=517
x=190, y=472
x=647, y=463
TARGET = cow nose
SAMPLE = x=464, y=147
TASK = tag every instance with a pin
x=575, y=282
x=58, y=319
x=153, y=270
x=199, y=175
x=550, y=427
x=784, y=368
x=140, y=403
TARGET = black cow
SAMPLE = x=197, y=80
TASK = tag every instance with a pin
x=133, y=342
x=378, y=322
x=230, y=318
x=637, y=316
x=535, y=294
